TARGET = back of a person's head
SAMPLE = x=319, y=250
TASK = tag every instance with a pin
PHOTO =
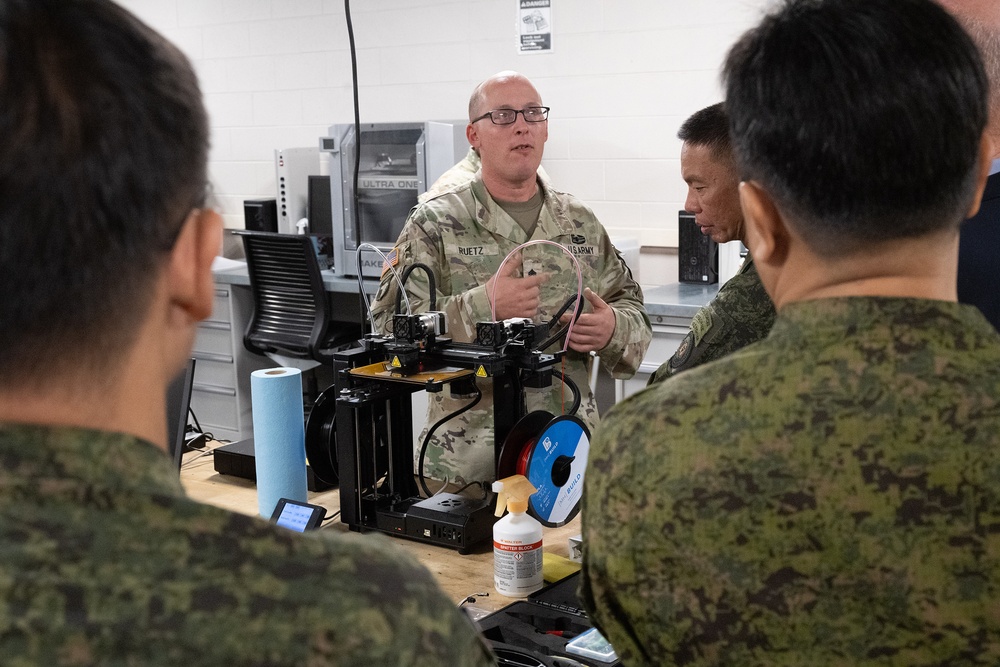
x=708, y=127
x=862, y=118
x=103, y=148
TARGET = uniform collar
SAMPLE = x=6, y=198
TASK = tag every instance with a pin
x=552, y=222
x=914, y=320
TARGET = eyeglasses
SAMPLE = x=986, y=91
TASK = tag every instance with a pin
x=509, y=116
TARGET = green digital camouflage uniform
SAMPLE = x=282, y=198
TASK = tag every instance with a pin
x=827, y=496
x=463, y=236
x=105, y=562
x=740, y=314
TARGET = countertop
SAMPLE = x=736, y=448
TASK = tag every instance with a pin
x=234, y=272
x=676, y=300
x=663, y=302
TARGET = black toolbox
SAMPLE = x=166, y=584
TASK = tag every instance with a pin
x=534, y=632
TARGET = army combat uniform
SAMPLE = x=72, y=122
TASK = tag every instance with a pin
x=827, y=496
x=463, y=236
x=105, y=561
x=740, y=314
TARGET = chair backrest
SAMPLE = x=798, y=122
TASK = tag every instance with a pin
x=290, y=304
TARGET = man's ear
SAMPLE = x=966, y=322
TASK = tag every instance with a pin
x=190, y=266
x=472, y=135
x=984, y=163
x=767, y=236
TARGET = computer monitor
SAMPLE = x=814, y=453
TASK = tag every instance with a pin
x=178, y=403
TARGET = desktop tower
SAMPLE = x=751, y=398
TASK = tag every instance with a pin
x=320, y=206
x=293, y=166
x=320, y=214
x=698, y=255
x=260, y=215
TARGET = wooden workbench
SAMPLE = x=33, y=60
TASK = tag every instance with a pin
x=459, y=576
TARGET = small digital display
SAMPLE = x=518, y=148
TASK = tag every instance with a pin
x=299, y=517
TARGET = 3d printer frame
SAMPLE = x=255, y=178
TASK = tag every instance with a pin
x=374, y=384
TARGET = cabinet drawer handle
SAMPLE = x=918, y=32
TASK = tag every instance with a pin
x=647, y=368
x=208, y=356
x=212, y=324
x=212, y=389
x=222, y=292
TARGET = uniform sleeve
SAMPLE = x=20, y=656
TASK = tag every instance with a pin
x=420, y=243
x=742, y=313
x=633, y=331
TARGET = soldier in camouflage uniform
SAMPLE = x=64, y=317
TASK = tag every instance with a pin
x=465, y=234
x=742, y=312
x=831, y=494
x=105, y=269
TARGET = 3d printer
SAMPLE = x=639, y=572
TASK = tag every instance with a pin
x=378, y=484
x=366, y=417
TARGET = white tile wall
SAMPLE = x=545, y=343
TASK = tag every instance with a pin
x=623, y=76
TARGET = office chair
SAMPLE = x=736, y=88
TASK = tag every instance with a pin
x=291, y=311
x=291, y=321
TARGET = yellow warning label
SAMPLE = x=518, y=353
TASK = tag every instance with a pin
x=481, y=372
x=395, y=362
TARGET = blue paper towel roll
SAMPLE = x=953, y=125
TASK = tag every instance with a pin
x=279, y=438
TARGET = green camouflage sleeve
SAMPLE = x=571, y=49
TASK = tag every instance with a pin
x=741, y=313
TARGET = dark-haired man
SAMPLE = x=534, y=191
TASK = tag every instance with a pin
x=979, y=248
x=742, y=312
x=828, y=495
x=106, y=247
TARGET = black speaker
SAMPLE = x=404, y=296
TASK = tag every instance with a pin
x=260, y=215
x=698, y=255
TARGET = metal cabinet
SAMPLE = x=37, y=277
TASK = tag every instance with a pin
x=220, y=396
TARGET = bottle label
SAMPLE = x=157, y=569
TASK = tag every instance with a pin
x=517, y=567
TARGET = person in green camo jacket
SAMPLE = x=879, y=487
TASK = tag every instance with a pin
x=742, y=312
x=829, y=495
x=106, y=246
x=464, y=234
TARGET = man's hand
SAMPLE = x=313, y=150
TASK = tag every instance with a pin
x=515, y=297
x=592, y=331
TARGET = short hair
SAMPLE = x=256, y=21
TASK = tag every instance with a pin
x=103, y=154
x=708, y=127
x=862, y=118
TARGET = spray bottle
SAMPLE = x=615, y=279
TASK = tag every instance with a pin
x=517, y=540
